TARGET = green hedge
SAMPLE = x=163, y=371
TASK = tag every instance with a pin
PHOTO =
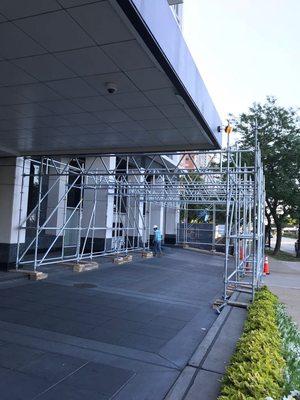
x=256, y=370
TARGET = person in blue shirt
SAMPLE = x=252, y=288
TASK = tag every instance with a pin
x=157, y=240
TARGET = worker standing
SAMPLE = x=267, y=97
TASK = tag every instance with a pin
x=157, y=241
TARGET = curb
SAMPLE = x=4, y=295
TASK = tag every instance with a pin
x=186, y=377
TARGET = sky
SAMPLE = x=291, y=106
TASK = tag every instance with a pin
x=245, y=50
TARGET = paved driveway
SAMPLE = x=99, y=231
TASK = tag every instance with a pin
x=284, y=281
x=121, y=332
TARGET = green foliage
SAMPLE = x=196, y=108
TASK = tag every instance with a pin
x=279, y=139
x=291, y=349
x=256, y=369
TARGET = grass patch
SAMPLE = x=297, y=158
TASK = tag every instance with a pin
x=282, y=256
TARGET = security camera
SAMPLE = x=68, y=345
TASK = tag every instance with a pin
x=111, y=87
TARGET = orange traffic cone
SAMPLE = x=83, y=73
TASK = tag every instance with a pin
x=266, y=266
x=241, y=253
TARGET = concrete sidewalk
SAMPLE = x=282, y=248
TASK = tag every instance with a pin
x=284, y=281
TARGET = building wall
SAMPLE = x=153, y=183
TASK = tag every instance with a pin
x=13, y=202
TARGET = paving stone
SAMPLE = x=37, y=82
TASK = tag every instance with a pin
x=14, y=356
x=206, y=386
x=139, y=316
x=142, y=342
x=17, y=386
x=122, y=325
x=160, y=332
x=171, y=323
x=52, y=367
x=67, y=392
x=225, y=343
x=101, y=334
x=99, y=378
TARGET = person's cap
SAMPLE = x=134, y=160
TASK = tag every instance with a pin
x=155, y=227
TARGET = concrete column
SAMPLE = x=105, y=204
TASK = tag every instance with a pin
x=57, y=187
x=104, y=208
x=171, y=221
x=13, y=201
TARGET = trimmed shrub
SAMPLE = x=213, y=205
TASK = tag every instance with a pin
x=256, y=370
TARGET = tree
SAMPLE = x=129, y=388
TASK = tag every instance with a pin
x=279, y=139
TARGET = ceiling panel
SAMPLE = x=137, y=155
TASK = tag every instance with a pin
x=72, y=131
x=82, y=118
x=46, y=132
x=174, y=110
x=7, y=112
x=144, y=113
x=163, y=135
x=128, y=126
x=90, y=140
x=88, y=61
x=101, y=22
x=12, y=75
x=45, y=67
x=73, y=3
x=15, y=43
x=194, y=135
x=32, y=110
x=149, y=78
x=146, y=138
x=10, y=95
x=96, y=103
x=162, y=96
x=18, y=9
x=183, y=122
x=59, y=32
x=99, y=127
x=37, y=92
x=62, y=107
x=128, y=55
x=113, y=116
x=129, y=100
x=162, y=123
x=55, y=121
x=71, y=88
x=22, y=123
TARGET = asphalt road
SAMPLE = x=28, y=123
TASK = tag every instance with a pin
x=287, y=244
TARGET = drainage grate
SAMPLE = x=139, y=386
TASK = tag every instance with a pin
x=84, y=285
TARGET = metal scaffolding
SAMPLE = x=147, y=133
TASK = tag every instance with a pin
x=86, y=207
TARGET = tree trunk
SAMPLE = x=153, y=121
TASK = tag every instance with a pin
x=268, y=231
x=278, y=237
x=298, y=242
